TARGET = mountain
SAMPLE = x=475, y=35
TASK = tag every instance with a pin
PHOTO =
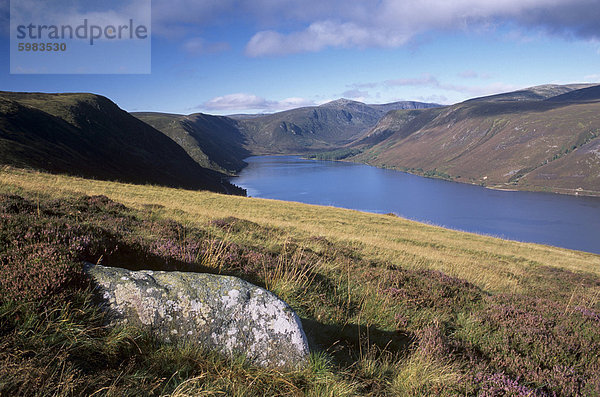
x=214, y=142
x=537, y=93
x=90, y=136
x=546, y=142
x=221, y=143
x=327, y=126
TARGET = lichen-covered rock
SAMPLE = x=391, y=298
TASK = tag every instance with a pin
x=223, y=313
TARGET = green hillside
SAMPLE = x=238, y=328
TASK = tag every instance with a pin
x=214, y=142
x=88, y=135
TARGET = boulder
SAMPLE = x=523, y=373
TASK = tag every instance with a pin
x=221, y=313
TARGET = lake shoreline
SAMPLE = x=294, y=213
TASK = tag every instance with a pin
x=520, y=215
x=512, y=188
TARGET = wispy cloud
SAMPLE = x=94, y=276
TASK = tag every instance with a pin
x=439, y=99
x=362, y=85
x=199, y=46
x=592, y=77
x=428, y=81
x=471, y=74
x=357, y=95
x=242, y=102
x=423, y=80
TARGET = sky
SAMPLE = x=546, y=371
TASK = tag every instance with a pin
x=262, y=56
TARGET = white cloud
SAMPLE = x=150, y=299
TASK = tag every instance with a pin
x=391, y=23
x=249, y=102
x=294, y=26
x=320, y=35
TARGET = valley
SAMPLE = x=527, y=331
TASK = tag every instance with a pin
x=300, y=198
x=544, y=138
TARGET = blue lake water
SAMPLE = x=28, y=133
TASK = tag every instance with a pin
x=563, y=221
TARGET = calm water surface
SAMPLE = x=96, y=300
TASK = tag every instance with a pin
x=564, y=221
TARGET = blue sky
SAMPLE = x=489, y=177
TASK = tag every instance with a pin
x=231, y=56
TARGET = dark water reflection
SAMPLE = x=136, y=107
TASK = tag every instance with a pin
x=564, y=221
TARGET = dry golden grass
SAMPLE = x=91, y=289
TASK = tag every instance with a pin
x=493, y=264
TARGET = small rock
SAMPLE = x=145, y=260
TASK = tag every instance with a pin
x=221, y=313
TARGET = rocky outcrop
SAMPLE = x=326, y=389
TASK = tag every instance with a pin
x=221, y=313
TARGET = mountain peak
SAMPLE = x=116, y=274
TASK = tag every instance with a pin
x=341, y=103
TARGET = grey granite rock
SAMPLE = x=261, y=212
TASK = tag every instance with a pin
x=223, y=313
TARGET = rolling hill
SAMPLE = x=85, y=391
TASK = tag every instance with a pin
x=214, y=142
x=530, y=139
x=90, y=136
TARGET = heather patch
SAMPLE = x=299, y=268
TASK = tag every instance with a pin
x=541, y=343
x=378, y=327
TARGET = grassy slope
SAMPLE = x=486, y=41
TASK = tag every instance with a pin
x=502, y=143
x=517, y=316
x=89, y=135
x=493, y=264
x=214, y=142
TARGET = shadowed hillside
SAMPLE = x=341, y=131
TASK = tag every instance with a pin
x=90, y=136
x=214, y=142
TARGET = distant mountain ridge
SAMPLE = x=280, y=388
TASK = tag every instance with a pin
x=540, y=92
x=222, y=142
x=88, y=135
x=542, y=138
x=306, y=129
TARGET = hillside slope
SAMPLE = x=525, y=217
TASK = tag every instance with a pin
x=538, y=144
x=391, y=307
x=90, y=136
x=327, y=126
x=214, y=142
x=537, y=93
